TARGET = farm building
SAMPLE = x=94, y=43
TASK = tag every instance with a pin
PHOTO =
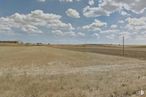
x=10, y=42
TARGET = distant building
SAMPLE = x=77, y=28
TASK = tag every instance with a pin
x=39, y=44
x=11, y=42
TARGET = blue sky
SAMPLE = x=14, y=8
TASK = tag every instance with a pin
x=73, y=21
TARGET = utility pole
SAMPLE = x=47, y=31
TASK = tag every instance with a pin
x=123, y=45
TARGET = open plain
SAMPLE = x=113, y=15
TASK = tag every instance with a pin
x=58, y=71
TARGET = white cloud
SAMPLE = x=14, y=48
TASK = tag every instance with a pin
x=110, y=31
x=137, y=21
x=114, y=26
x=124, y=13
x=136, y=24
x=34, y=22
x=140, y=37
x=136, y=6
x=91, y=2
x=95, y=26
x=72, y=13
x=107, y=7
x=31, y=29
x=68, y=34
x=94, y=11
x=96, y=35
x=121, y=21
x=69, y=0
x=127, y=35
x=111, y=36
x=59, y=0
x=41, y=0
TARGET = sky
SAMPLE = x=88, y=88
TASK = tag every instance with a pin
x=73, y=21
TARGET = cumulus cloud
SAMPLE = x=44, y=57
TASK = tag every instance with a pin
x=120, y=21
x=68, y=34
x=59, y=0
x=34, y=22
x=41, y=0
x=68, y=0
x=91, y=2
x=114, y=26
x=124, y=13
x=31, y=29
x=126, y=34
x=132, y=28
x=107, y=7
x=72, y=13
x=111, y=31
x=136, y=24
x=95, y=26
x=136, y=6
x=94, y=12
x=96, y=35
x=137, y=21
x=111, y=36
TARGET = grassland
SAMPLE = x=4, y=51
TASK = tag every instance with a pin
x=131, y=51
x=45, y=71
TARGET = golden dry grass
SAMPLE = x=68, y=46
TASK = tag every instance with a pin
x=41, y=71
x=131, y=51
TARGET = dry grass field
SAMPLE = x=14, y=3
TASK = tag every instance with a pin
x=45, y=71
x=132, y=51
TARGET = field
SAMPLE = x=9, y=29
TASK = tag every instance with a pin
x=71, y=71
x=132, y=51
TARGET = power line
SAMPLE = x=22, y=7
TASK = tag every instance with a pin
x=123, y=45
